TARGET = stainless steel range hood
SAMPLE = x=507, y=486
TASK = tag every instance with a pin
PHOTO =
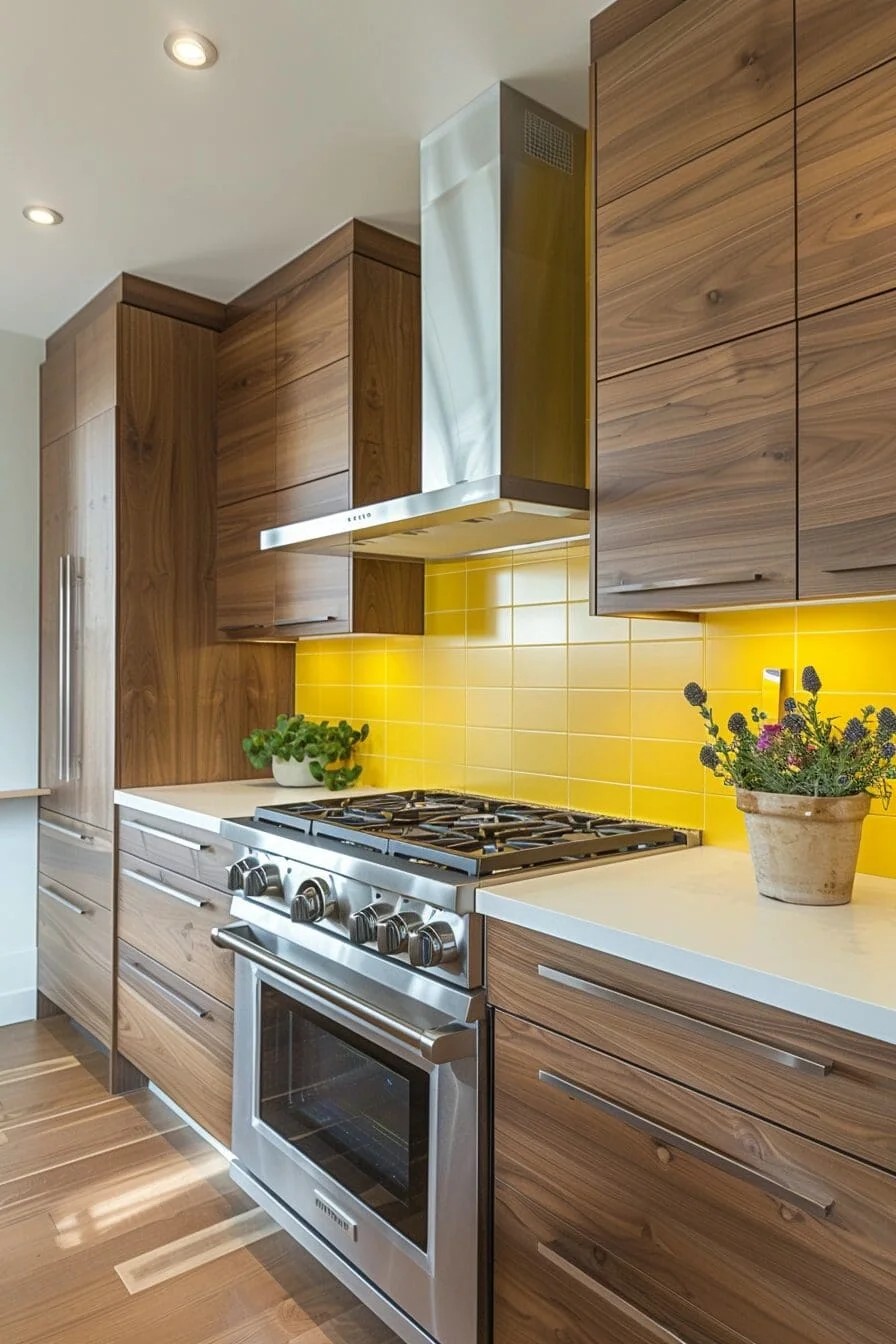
x=503, y=268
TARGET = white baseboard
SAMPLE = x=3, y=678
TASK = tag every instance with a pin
x=18, y=1005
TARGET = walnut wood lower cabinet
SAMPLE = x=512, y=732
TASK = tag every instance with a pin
x=634, y=1207
x=74, y=963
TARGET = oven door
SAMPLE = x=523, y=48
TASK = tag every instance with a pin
x=358, y=1106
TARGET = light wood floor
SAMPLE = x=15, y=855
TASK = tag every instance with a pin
x=119, y=1225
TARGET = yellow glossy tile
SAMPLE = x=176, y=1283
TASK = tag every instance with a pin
x=335, y=702
x=666, y=665
x=655, y=628
x=587, y=629
x=668, y=715
x=448, y=626
x=375, y=743
x=579, y=574
x=540, y=666
x=405, y=741
x=671, y=809
x=490, y=667
x=605, y=712
x=404, y=704
x=483, y=779
x=445, y=744
x=442, y=774
x=404, y=667
x=604, y=758
x=334, y=666
x=599, y=666
x=737, y=664
x=835, y=617
x=864, y=663
x=494, y=626
x=399, y=773
x=308, y=701
x=445, y=704
x=444, y=667
x=490, y=587
x=540, y=624
x=599, y=796
x=489, y=708
x=369, y=702
x=369, y=667
x=667, y=765
x=489, y=748
x=761, y=621
x=540, y=753
x=724, y=824
x=540, y=710
x=878, y=852
x=375, y=773
x=552, y=790
x=445, y=589
x=537, y=581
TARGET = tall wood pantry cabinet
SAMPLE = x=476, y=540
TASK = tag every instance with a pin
x=136, y=688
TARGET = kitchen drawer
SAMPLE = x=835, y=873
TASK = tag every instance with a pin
x=181, y=1038
x=767, y=1061
x=758, y=1229
x=170, y=917
x=176, y=846
x=74, y=955
x=76, y=854
x=551, y=1284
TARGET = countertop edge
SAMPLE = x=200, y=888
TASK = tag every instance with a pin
x=792, y=996
x=154, y=807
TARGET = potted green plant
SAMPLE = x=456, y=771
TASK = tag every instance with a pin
x=303, y=752
x=805, y=787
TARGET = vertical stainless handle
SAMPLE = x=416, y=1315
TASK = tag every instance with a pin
x=62, y=703
x=557, y=1255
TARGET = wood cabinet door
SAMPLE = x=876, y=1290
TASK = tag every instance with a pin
x=56, y=542
x=313, y=426
x=695, y=490
x=96, y=366
x=57, y=393
x=846, y=193
x=700, y=256
x=245, y=575
x=313, y=323
x=836, y=42
x=246, y=359
x=847, y=450
x=733, y=70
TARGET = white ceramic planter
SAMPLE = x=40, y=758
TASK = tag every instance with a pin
x=293, y=774
x=804, y=850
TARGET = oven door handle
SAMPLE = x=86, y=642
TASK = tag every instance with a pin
x=440, y=1045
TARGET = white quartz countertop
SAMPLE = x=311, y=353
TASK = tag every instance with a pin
x=696, y=913
x=207, y=805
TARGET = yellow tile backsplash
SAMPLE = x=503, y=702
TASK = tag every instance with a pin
x=516, y=690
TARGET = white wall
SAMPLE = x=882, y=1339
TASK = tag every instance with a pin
x=20, y=358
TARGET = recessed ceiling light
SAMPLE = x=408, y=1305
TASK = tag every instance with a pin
x=41, y=214
x=191, y=49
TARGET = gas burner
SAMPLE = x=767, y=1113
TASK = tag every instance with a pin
x=468, y=833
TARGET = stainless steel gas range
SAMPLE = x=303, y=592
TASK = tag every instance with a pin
x=361, y=1053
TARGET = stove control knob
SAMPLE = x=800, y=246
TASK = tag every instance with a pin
x=236, y=873
x=264, y=880
x=393, y=933
x=362, y=923
x=432, y=945
x=313, y=901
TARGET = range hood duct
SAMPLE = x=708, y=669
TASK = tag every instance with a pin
x=503, y=281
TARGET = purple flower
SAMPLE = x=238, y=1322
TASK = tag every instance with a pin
x=737, y=724
x=768, y=736
x=888, y=750
x=811, y=680
x=790, y=704
x=709, y=757
x=695, y=694
x=854, y=731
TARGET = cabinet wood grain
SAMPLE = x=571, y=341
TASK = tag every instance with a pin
x=846, y=186
x=700, y=256
x=312, y=422
x=78, y=855
x=95, y=366
x=175, y=846
x=170, y=917
x=74, y=956
x=247, y=359
x=701, y=75
x=247, y=446
x=684, y=451
x=245, y=575
x=622, y=20
x=835, y=44
x=387, y=596
x=847, y=502
x=57, y=393
x=852, y=1107
x=313, y=324
x=764, y=1231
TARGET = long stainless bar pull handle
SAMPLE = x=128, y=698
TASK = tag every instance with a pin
x=819, y=1068
x=65, y=830
x=62, y=706
x=555, y=1255
x=658, y=587
x=308, y=620
x=161, y=988
x=164, y=888
x=857, y=569
x=164, y=835
x=440, y=1045
x=672, y=1139
x=62, y=900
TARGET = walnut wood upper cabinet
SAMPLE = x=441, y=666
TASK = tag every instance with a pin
x=836, y=42
x=702, y=74
x=699, y=256
x=318, y=412
x=847, y=453
x=686, y=451
x=846, y=188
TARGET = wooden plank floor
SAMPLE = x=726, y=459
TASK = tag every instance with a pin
x=119, y=1225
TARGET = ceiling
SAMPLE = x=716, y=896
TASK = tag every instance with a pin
x=209, y=180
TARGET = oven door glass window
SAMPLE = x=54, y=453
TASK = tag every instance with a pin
x=359, y=1113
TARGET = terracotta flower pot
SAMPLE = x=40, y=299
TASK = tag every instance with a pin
x=804, y=850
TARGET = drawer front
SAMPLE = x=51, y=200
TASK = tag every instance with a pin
x=746, y=1053
x=76, y=854
x=179, y=1037
x=174, y=845
x=763, y=1231
x=834, y=45
x=313, y=435
x=550, y=1284
x=170, y=917
x=74, y=955
x=313, y=324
